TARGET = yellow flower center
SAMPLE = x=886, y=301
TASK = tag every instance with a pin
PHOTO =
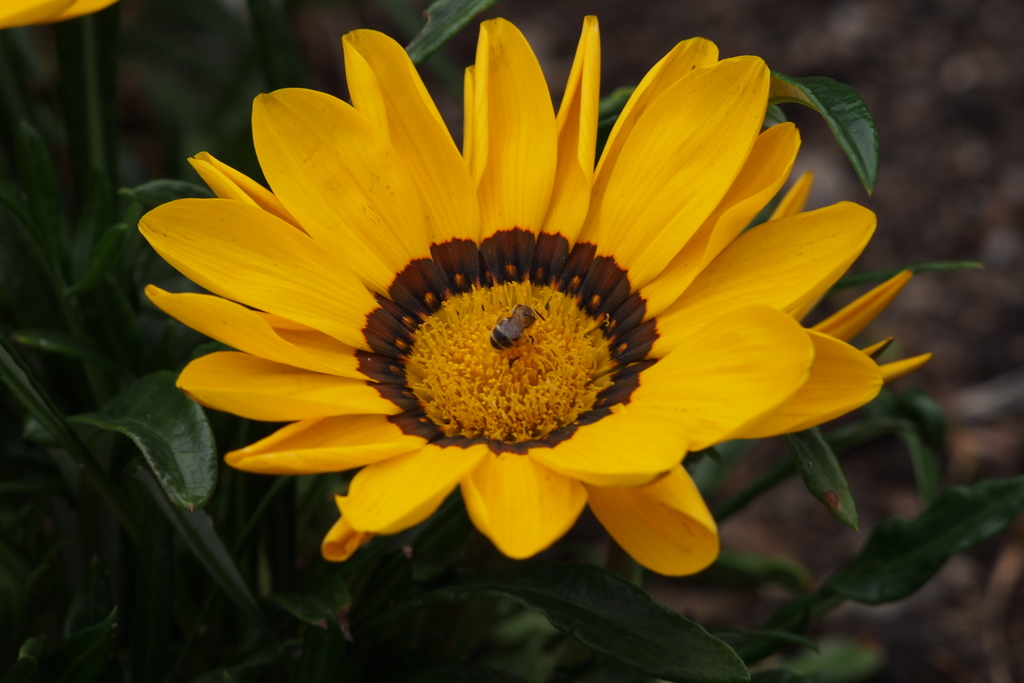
x=544, y=380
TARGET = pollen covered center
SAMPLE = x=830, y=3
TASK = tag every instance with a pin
x=546, y=373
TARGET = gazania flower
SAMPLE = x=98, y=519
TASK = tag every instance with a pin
x=513, y=321
x=26, y=12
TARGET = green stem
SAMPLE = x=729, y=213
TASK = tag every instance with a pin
x=765, y=482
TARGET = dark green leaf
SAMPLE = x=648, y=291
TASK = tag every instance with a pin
x=171, y=431
x=844, y=111
x=780, y=676
x=33, y=483
x=445, y=18
x=151, y=627
x=320, y=603
x=608, y=113
x=92, y=602
x=156, y=192
x=840, y=660
x=275, y=46
x=604, y=612
x=82, y=657
x=197, y=530
x=10, y=198
x=749, y=569
x=27, y=664
x=322, y=652
x=40, y=182
x=774, y=115
x=442, y=541
x=64, y=344
x=926, y=467
x=872, y=276
x=902, y=555
x=464, y=673
x=107, y=252
x=925, y=412
x=739, y=638
x=819, y=467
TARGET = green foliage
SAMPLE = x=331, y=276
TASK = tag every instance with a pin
x=820, y=470
x=871, y=276
x=445, y=18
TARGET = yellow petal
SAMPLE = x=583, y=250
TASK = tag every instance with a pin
x=783, y=264
x=679, y=161
x=842, y=379
x=665, y=526
x=796, y=198
x=385, y=86
x=328, y=444
x=727, y=374
x=514, y=147
x=227, y=183
x=26, y=12
x=763, y=173
x=242, y=253
x=243, y=329
x=81, y=8
x=577, y=137
x=522, y=506
x=263, y=390
x=393, y=495
x=853, y=318
x=901, y=368
x=338, y=174
x=628, y=447
x=342, y=540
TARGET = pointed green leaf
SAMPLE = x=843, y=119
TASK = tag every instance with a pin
x=92, y=602
x=844, y=111
x=171, y=431
x=82, y=657
x=926, y=466
x=107, y=252
x=445, y=18
x=824, y=478
x=902, y=555
x=872, y=276
x=749, y=569
x=40, y=183
x=322, y=652
x=604, y=612
x=64, y=344
x=27, y=664
x=196, y=529
x=320, y=603
x=840, y=660
x=156, y=192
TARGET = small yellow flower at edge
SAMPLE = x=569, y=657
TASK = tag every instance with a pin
x=26, y=12
x=363, y=292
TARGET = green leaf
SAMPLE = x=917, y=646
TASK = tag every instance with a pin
x=608, y=112
x=151, y=617
x=40, y=182
x=275, y=47
x=750, y=569
x=739, y=638
x=604, y=612
x=844, y=111
x=34, y=483
x=156, y=192
x=107, y=252
x=925, y=412
x=840, y=660
x=819, y=467
x=171, y=431
x=27, y=664
x=320, y=603
x=902, y=555
x=322, y=653
x=445, y=18
x=82, y=657
x=872, y=276
x=780, y=676
x=92, y=602
x=197, y=530
x=926, y=466
x=64, y=344
x=774, y=116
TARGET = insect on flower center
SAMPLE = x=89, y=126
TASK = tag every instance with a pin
x=535, y=374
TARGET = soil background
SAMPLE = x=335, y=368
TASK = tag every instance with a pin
x=945, y=82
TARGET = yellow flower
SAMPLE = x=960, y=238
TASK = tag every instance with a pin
x=26, y=12
x=513, y=321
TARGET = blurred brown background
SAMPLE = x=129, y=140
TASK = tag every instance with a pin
x=945, y=82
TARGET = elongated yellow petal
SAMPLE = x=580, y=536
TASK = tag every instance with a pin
x=901, y=368
x=853, y=318
x=796, y=198
x=227, y=183
x=629, y=447
x=763, y=173
x=385, y=87
x=342, y=540
x=783, y=264
x=522, y=506
x=243, y=253
x=328, y=444
x=727, y=374
x=665, y=526
x=26, y=12
x=396, y=494
x=243, y=329
x=577, y=137
x=263, y=390
x=842, y=379
x=514, y=147
x=678, y=162
x=338, y=174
